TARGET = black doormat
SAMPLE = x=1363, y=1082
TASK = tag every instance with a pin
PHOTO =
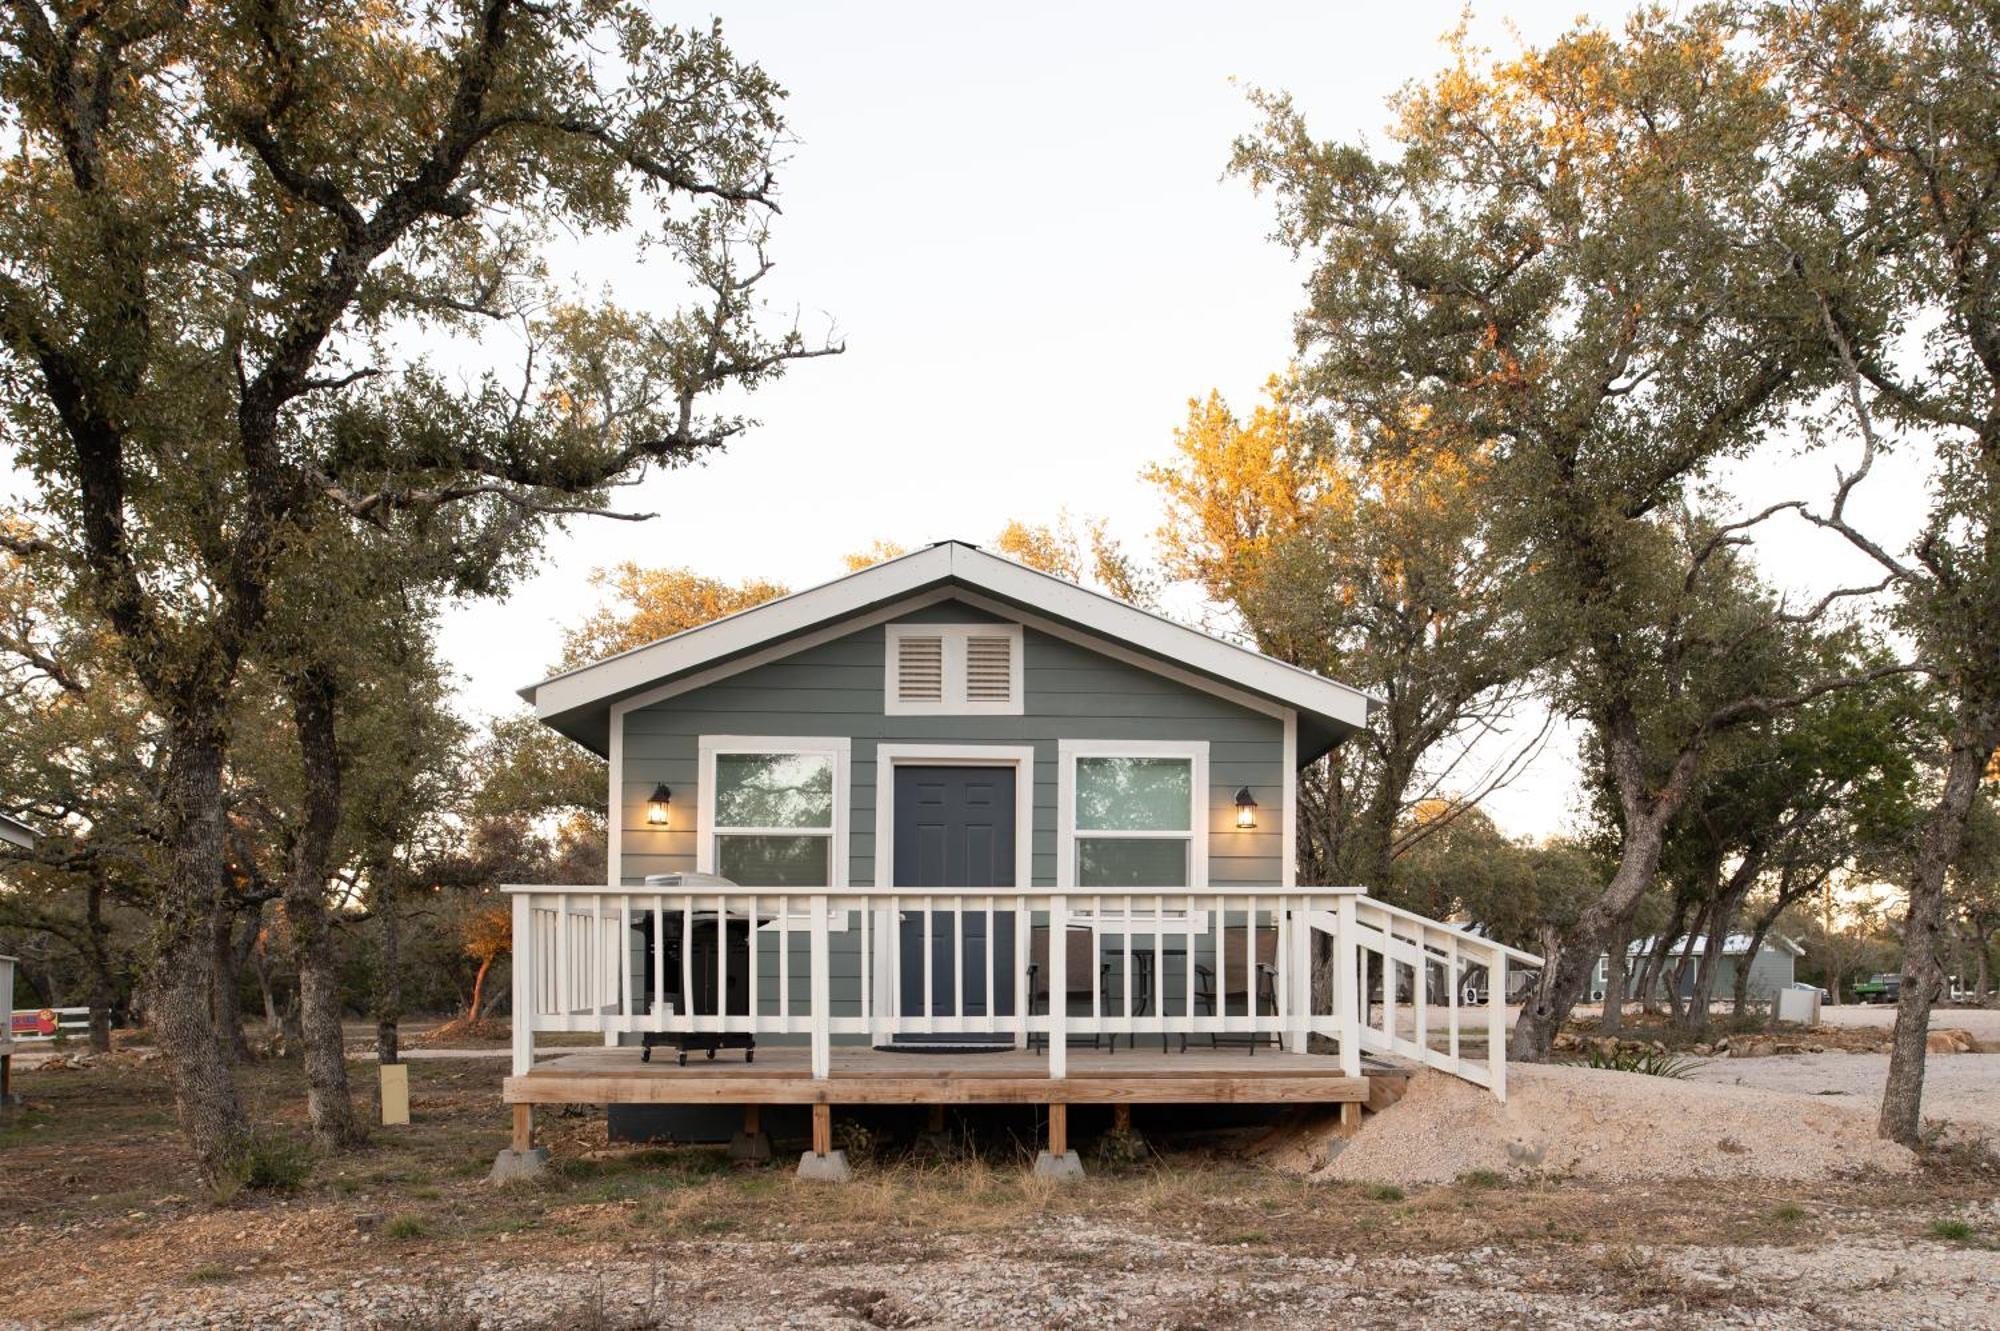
x=945, y=1044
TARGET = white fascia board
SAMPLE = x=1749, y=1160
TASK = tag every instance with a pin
x=17, y=833
x=1154, y=633
x=740, y=632
x=1003, y=578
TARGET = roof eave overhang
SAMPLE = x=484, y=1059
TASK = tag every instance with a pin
x=578, y=703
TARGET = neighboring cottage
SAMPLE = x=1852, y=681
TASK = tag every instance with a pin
x=1771, y=969
x=14, y=832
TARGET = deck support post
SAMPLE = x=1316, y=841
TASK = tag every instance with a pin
x=1059, y=1162
x=7, y=1096
x=523, y=1159
x=1121, y=1118
x=1350, y=1118
x=751, y=1144
x=823, y=1164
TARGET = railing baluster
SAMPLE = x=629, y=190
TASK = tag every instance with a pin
x=868, y=971
x=1159, y=994
x=1496, y=1026
x=756, y=995
x=1451, y=995
x=687, y=961
x=991, y=1013
x=1096, y=966
x=1187, y=991
x=822, y=1036
x=721, y=963
x=562, y=958
x=525, y=979
x=958, y=960
x=1058, y=985
x=785, y=964
x=658, y=944
x=929, y=1016
x=1346, y=1002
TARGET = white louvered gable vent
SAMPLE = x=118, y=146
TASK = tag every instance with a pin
x=989, y=668
x=954, y=669
x=919, y=668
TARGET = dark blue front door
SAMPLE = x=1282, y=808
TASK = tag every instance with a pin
x=955, y=829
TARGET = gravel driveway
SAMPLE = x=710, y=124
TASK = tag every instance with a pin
x=1964, y=1088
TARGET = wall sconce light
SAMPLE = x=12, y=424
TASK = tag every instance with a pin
x=1246, y=809
x=657, y=805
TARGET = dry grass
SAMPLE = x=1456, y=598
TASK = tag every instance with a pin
x=92, y=1166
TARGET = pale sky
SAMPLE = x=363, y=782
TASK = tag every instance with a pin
x=1016, y=218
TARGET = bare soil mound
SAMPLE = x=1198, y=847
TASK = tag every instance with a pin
x=1562, y=1119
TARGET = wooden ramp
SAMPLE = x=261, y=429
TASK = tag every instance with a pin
x=782, y=1075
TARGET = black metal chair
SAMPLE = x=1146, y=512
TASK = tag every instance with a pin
x=1079, y=955
x=1239, y=985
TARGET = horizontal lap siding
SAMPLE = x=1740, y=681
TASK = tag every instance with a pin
x=1071, y=692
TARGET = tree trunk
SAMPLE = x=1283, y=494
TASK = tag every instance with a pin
x=478, y=985
x=1712, y=952
x=226, y=1002
x=103, y=983
x=1650, y=986
x=328, y=1102
x=1740, y=1000
x=1981, y=960
x=181, y=977
x=1567, y=969
x=1902, y=1098
x=1617, y=963
x=389, y=987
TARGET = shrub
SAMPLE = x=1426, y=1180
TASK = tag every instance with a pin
x=1482, y=1178
x=1385, y=1192
x=407, y=1227
x=1955, y=1230
x=265, y=1163
x=1646, y=1062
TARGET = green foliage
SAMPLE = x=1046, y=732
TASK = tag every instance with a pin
x=1645, y=1062
x=407, y=1226
x=265, y=1162
x=1482, y=1179
x=1953, y=1231
x=1384, y=1192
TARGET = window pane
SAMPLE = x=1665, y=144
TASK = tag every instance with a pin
x=1130, y=862
x=773, y=790
x=773, y=861
x=1134, y=794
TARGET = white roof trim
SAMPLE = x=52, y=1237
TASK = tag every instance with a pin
x=965, y=564
x=17, y=833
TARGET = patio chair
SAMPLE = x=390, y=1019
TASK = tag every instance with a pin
x=1079, y=955
x=1266, y=967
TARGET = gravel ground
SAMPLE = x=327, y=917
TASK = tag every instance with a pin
x=1963, y=1088
x=1073, y=1274
x=1568, y=1120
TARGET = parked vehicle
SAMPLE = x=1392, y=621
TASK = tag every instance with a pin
x=1824, y=996
x=1883, y=987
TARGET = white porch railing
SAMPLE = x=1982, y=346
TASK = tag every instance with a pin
x=1233, y=964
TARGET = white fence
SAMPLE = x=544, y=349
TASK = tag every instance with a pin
x=1238, y=965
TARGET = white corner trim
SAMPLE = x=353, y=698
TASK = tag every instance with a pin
x=1199, y=816
x=1288, y=839
x=953, y=639
x=614, y=859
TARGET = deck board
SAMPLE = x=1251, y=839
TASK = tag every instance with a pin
x=782, y=1074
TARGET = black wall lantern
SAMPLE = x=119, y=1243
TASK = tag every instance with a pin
x=658, y=804
x=1246, y=809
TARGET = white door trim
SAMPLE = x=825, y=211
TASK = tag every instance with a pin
x=888, y=757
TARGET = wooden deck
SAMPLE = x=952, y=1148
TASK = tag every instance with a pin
x=782, y=1075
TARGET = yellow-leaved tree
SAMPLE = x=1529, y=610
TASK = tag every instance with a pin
x=651, y=603
x=1370, y=566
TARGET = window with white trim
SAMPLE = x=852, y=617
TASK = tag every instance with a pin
x=774, y=811
x=953, y=670
x=1133, y=815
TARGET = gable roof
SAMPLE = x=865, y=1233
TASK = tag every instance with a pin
x=14, y=832
x=578, y=702
x=1733, y=945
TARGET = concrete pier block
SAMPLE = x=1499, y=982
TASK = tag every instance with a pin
x=829, y=1168
x=511, y=1165
x=1062, y=1168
